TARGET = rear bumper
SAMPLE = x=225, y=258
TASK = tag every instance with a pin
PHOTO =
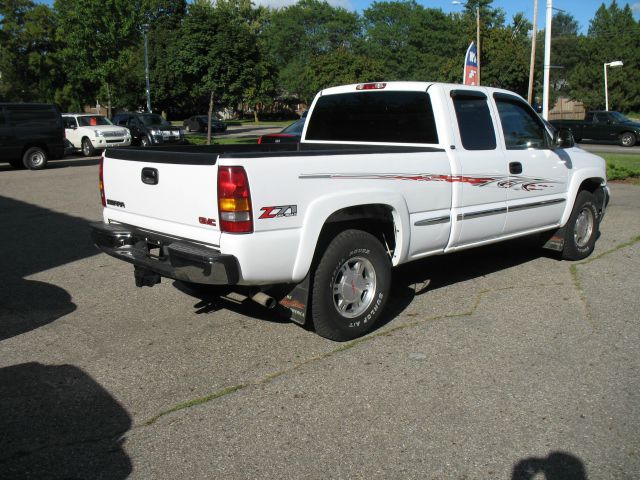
x=168, y=257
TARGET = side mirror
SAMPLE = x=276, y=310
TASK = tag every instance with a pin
x=563, y=138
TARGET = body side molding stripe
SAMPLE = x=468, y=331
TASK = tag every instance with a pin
x=498, y=211
x=433, y=221
x=536, y=204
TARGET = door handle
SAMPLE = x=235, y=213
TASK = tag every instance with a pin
x=149, y=176
x=515, y=168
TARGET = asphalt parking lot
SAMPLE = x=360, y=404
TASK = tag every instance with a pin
x=499, y=362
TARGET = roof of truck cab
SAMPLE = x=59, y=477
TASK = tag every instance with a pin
x=400, y=86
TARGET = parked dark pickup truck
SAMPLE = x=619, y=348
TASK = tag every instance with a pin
x=610, y=126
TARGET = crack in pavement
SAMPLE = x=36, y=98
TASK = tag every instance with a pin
x=382, y=333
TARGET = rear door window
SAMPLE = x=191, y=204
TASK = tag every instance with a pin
x=374, y=117
x=474, y=120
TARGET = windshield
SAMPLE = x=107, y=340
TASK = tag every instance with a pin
x=295, y=128
x=618, y=117
x=152, y=119
x=93, y=120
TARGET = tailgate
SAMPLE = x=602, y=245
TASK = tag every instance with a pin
x=171, y=192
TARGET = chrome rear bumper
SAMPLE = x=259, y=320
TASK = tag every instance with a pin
x=154, y=253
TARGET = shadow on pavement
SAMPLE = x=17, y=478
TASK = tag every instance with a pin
x=57, y=422
x=409, y=280
x=35, y=239
x=557, y=466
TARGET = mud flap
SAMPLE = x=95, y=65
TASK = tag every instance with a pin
x=554, y=240
x=293, y=304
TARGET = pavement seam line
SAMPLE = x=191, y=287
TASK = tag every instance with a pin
x=347, y=346
x=573, y=271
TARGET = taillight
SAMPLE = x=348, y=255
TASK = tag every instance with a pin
x=102, y=194
x=234, y=200
x=371, y=86
x=259, y=139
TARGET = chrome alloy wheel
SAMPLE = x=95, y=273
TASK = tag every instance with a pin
x=354, y=286
x=584, y=227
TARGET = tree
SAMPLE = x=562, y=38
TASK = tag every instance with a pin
x=613, y=35
x=305, y=31
x=98, y=42
x=28, y=70
x=101, y=47
x=214, y=55
x=412, y=42
x=506, y=56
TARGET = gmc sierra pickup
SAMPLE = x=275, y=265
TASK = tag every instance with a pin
x=385, y=173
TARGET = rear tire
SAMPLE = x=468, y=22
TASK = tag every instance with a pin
x=350, y=286
x=582, y=228
x=35, y=158
x=627, y=139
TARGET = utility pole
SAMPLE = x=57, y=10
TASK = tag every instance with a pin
x=547, y=61
x=533, y=52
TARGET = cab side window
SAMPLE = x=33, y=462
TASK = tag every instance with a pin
x=474, y=120
x=601, y=117
x=70, y=122
x=521, y=126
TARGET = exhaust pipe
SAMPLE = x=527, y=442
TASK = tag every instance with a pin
x=265, y=300
x=260, y=298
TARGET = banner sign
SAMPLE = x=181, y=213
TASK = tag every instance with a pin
x=471, y=66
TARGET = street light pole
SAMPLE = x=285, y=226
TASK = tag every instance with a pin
x=145, y=29
x=616, y=63
x=533, y=52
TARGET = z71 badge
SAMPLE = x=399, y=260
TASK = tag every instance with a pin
x=279, y=211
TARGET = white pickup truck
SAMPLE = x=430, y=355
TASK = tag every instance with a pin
x=385, y=173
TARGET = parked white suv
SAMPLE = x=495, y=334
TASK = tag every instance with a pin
x=90, y=133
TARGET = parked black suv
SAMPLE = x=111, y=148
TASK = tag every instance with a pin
x=149, y=128
x=30, y=134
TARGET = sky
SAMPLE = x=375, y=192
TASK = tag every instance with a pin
x=582, y=10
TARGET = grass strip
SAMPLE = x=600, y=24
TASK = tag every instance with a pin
x=622, y=166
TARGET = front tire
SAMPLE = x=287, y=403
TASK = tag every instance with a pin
x=35, y=158
x=627, y=139
x=350, y=286
x=582, y=228
x=87, y=148
x=145, y=142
